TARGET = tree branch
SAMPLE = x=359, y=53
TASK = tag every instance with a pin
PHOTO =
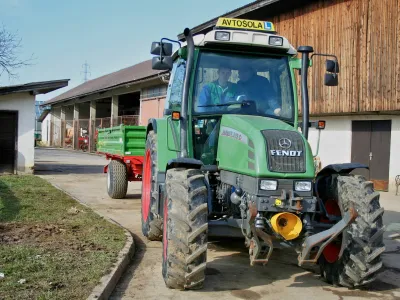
x=9, y=58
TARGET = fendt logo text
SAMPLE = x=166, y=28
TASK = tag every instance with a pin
x=291, y=153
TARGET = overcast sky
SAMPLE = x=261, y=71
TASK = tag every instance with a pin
x=109, y=35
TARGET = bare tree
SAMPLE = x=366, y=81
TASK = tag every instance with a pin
x=9, y=60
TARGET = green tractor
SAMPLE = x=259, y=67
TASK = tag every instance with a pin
x=230, y=158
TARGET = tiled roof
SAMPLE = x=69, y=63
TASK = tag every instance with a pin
x=131, y=74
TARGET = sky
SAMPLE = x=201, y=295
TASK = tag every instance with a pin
x=108, y=35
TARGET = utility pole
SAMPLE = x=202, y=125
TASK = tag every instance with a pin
x=86, y=71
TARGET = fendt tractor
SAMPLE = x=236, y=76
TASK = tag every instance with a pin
x=230, y=158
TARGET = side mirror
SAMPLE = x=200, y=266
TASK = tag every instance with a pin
x=166, y=48
x=331, y=79
x=332, y=66
x=164, y=63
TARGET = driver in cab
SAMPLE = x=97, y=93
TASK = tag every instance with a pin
x=220, y=91
x=258, y=89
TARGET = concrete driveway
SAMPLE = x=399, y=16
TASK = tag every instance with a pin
x=229, y=275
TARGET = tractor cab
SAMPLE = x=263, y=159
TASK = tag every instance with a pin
x=242, y=67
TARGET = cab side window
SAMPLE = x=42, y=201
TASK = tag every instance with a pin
x=175, y=87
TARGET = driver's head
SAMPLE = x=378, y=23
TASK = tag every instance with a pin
x=224, y=73
x=245, y=73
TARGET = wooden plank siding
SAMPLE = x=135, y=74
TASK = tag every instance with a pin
x=364, y=36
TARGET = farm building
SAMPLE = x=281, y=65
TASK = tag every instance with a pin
x=17, y=124
x=362, y=113
x=129, y=96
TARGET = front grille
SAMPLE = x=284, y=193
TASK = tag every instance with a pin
x=284, y=163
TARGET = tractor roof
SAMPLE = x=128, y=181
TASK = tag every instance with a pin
x=232, y=32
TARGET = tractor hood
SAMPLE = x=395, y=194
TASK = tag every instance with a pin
x=263, y=147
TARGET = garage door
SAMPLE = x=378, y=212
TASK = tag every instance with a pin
x=8, y=134
x=371, y=146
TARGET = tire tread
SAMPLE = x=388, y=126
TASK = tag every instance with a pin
x=184, y=267
x=361, y=261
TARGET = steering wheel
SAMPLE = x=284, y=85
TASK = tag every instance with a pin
x=246, y=106
x=262, y=108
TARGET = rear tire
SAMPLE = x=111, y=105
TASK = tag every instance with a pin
x=185, y=229
x=151, y=222
x=361, y=260
x=117, y=179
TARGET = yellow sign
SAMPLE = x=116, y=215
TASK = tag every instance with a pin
x=245, y=24
x=278, y=202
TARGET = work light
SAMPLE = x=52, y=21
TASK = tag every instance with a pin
x=302, y=186
x=275, y=41
x=222, y=36
x=269, y=185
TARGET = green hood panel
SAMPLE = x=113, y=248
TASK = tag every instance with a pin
x=242, y=147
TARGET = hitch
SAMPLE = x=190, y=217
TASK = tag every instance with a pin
x=327, y=235
x=257, y=249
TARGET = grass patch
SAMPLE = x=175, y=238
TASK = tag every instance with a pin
x=57, y=247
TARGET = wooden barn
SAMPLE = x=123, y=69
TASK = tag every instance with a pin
x=363, y=112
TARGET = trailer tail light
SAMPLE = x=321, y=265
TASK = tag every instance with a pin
x=176, y=115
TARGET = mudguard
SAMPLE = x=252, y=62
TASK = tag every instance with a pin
x=184, y=163
x=340, y=168
x=151, y=125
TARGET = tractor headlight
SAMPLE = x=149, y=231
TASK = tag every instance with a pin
x=302, y=186
x=269, y=185
x=222, y=36
x=275, y=41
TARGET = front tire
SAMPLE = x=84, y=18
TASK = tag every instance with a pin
x=361, y=259
x=185, y=229
x=117, y=180
x=151, y=223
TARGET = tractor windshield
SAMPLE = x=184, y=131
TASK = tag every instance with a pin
x=243, y=84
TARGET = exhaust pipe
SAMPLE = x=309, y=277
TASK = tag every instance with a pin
x=186, y=86
x=305, y=60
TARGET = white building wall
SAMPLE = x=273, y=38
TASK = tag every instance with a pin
x=46, y=130
x=55, y=122
x=24, y=103
x=335, y=143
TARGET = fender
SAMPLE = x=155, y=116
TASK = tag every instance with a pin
x=340, y=169
x=184, y=163
x=151, y=125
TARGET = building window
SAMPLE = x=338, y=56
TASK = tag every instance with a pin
x=154, y=91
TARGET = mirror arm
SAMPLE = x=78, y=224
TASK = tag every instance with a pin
x=319, y=138
x=161, y=45
x=323, y=54
x=172, y=41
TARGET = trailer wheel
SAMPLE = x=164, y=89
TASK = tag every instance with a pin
x=117, y=179
x=151, y=223
x=185, y=229
x=361, y=259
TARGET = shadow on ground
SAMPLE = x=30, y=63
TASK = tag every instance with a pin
x=9, y=204
x=135, y=196
x=45, y=168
